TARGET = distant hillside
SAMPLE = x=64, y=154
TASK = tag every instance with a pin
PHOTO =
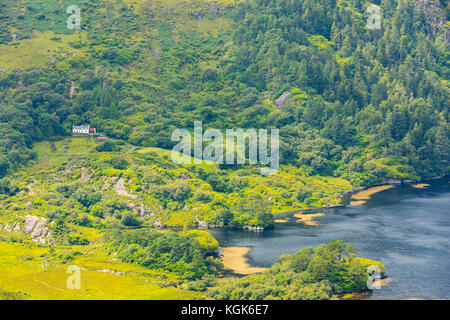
x=358, y=98
x=358, y=103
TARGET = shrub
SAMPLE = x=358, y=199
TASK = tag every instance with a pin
x=180, y=254
x=203, y=196
x=302, y=193
x=107, y=146
x=130, y=220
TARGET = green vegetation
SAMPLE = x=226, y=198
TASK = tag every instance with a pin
x=311, y=274
x=360, y=106
x=183, y=255
x=365, y=104
x=35, y=272
x=71, y=182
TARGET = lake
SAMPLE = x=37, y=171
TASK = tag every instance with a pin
x=407, y=229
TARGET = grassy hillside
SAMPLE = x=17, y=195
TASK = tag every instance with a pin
x=144, y=182
x=138, y=69
x=35, y=272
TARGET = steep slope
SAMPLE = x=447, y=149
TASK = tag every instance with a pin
x=358, y=104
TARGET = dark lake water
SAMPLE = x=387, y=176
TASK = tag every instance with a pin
x=407, y=229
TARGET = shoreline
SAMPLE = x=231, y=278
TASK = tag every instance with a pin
x=362, y=196
x=309, y=219
x=387, y=283
x=235, y=259
x=363, y=294
x=353, y=197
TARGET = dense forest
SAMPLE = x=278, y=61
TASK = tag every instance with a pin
x=364, y=104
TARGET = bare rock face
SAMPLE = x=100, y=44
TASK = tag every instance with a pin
x=30, y=223
x=202, y=224
x=436, y=17
x=37, y=228
x=40, y=230
x=185, y=176
x=156, y=52
x=141, y=210
x=84, y=175
x=121, y=191
x=17, y=228
x=72, y=90
x=282, y=99
x=131, y=206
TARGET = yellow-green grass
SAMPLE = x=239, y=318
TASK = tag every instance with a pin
x=36, y=51
x=326, y=189
x=320, y=41
x=187, y=161
x=205, y=26
x=93, y=235
x=174, y=4
x=64, y=149
x=24, y=274
x=282, y=209
x=395, y=168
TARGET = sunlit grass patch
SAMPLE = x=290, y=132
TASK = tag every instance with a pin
x=25, y=274
x=36, y=51
x=51, y=154
x=186, y=160
x=320, y=41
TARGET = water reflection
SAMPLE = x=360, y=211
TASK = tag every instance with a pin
x=407, y=229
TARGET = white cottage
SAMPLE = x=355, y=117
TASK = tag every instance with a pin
x=84, y=129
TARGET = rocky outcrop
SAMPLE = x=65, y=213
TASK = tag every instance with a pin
x=38, y=228
x=255, y=228
x=142, y=210
x=10, y=227
x=17, y=228
x=30, y=223
x=117, y=273
x=84, y=175
x=436, y=17
x=156, y=53
x=201, y=223
x=121, y=191
x=282, y=99
x=72, y=90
